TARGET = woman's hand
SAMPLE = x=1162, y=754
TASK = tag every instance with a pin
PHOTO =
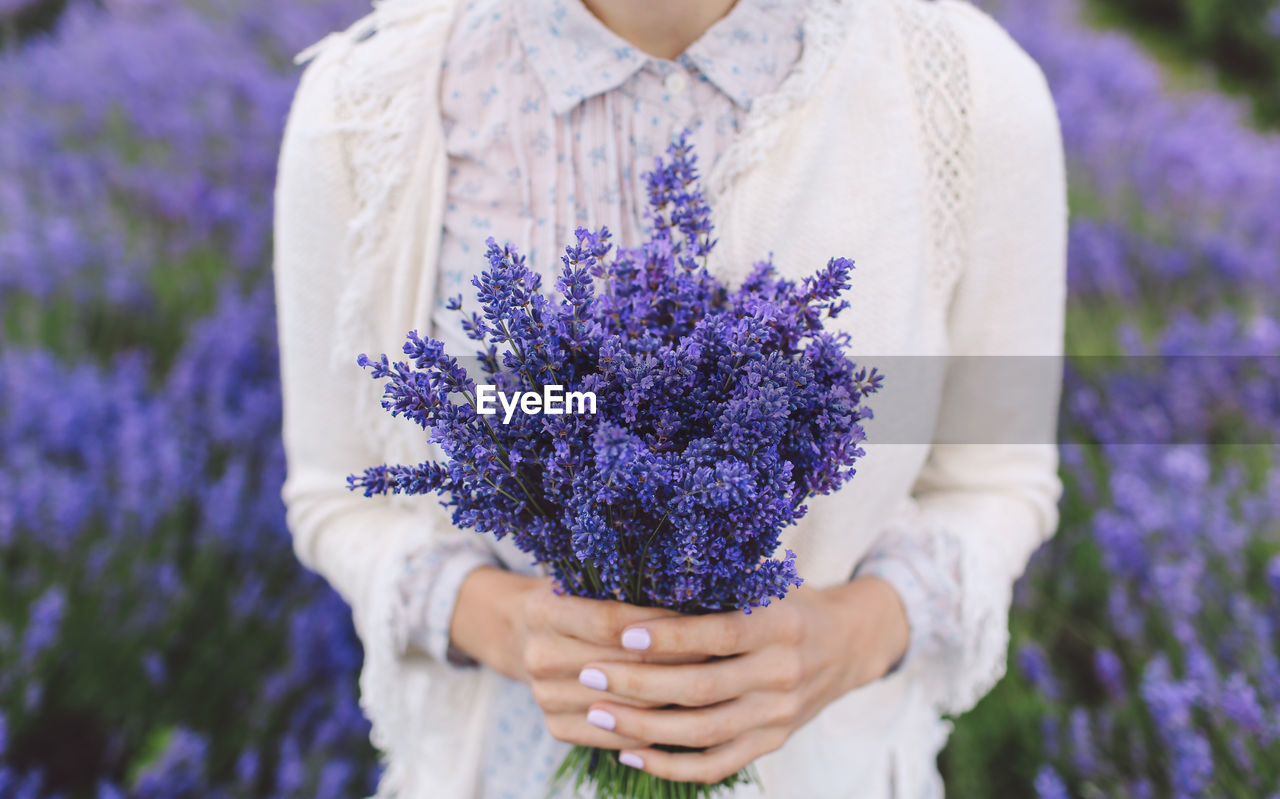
x=769, y=672
x=518, y=626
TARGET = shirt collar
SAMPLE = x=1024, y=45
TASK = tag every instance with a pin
x=574, y=54
x=748, y=51
x=744, y=54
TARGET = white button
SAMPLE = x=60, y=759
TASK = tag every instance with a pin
x=676, y=83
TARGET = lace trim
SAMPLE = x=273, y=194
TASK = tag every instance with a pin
x=940, y=81
x=824, y=25
x=428, y=591
x=964, y=642
x=380, y=92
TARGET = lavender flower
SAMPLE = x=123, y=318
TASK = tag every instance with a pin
x=721, y=412
x=44, y=623
x=1160, y=576
x=1110, y=671
x=1035, y=667
x=1049, y=785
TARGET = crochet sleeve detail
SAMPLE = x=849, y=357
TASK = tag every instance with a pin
x=980, y=508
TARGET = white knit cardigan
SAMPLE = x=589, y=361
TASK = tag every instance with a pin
x=913, y=137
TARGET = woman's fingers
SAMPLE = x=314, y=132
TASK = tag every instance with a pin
x=575, y=729
x=595, y=621
x=709, y=766
x=552, y=656
x=701, y=727
x=570, y=696
x=695, y=685
x=715, y=634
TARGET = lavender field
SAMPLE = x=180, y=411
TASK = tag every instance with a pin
x=159, y=640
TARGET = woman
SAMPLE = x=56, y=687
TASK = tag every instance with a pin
x=914, y=137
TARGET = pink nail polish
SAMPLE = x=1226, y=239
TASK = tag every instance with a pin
x=594, y=678
x=602, y=718
x=635, y=638
x=628, y=759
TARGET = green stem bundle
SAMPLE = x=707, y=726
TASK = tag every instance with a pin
x=599, y=772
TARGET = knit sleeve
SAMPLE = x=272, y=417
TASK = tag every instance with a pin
x=987, y=495
x=423, y=713
x=429, y=587
x=359, y=545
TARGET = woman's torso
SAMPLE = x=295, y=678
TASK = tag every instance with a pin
x=549, y=122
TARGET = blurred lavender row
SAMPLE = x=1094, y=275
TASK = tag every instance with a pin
x=157, y=635
x=158, y=639
x=1146, y=633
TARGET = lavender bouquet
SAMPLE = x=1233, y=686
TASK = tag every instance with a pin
x=706, y=418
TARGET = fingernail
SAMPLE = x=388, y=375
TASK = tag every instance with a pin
x=594, y=678
x=602, y=718
x=628, y=759
x=635, y=638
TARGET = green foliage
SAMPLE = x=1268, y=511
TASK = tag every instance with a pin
x=1239, y=38
x=77, y=320
x=599, y=771
x=996, y=750
x=39, y=16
